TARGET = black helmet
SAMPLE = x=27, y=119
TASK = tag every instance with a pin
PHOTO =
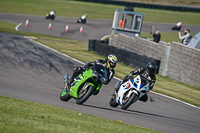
x=151, y=67
x=111, y=59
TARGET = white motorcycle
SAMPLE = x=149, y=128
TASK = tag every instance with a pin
x=81, y=20
x=129, y=92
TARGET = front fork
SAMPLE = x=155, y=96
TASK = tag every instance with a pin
x=118, y=83
x=66, y=78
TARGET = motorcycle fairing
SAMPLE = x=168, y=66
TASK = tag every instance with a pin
x=136, y=85
x=123, y=89
x=78, y=81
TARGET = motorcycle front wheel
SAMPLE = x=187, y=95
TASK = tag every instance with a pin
x=84, y=93
x=112, y=102
x=127, y=101
x=64, y=95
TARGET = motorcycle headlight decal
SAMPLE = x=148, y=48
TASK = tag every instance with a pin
x=103, y=79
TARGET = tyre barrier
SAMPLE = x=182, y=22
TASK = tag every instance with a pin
x=128, y=58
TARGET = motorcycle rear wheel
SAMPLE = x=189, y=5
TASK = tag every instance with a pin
x=112, y=102
x=64, y=95
x=128, y=102
x=84, y=94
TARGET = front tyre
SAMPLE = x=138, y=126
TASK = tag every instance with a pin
x=64, y=95
x=84, y=94
x=112, y=102
x=127, y=101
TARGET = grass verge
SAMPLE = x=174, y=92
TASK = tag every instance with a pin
x=22, y=116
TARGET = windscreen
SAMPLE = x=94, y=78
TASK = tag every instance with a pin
x=100, y=69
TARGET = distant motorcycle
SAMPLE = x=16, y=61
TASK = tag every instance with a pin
x=178, y=26
x=82, y=21
x=129, y=92
x=48, y=16
x=85, y=84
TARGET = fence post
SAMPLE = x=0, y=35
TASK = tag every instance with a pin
x=165, y=64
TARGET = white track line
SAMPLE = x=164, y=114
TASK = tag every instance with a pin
x=114, y=77
x=105, y=37
x=16, y=28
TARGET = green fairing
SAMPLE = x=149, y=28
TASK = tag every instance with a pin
x=63, y=92
x=83, y=77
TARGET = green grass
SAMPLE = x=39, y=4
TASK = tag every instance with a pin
x=21, y=116
x=72, y=8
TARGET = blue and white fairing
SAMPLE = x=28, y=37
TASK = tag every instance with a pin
x=136, y=85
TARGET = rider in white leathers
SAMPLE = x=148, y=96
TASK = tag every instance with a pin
x=148, y=73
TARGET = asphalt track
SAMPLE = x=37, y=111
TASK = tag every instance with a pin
x=94, y=29
x=31, y=71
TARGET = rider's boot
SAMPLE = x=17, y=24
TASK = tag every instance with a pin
x=77, y=71
x=71, y=80
x=116, y=89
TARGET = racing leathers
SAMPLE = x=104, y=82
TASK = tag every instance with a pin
x=150, y=77
x=52, y=13
x=83, y=17
x=110, y=71
x=79, y=70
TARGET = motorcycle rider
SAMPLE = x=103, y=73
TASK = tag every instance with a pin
x=84, y=18
x=148, y=73
x=52, y=14
x=109, y=63
x=178, y=26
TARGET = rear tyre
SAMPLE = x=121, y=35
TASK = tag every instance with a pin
x=112, y=102
x=84, y=94
x=128, y=101
x=64, y=95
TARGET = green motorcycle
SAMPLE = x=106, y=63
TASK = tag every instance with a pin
x=86, y=84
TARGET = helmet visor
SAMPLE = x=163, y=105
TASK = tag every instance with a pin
x=111, y=64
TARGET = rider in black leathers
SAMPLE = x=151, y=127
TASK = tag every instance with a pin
x=109, y=63
x=148, y=73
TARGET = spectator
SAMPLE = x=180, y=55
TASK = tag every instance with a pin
x=184, y=34
x=186, y=38
x=156, y=37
